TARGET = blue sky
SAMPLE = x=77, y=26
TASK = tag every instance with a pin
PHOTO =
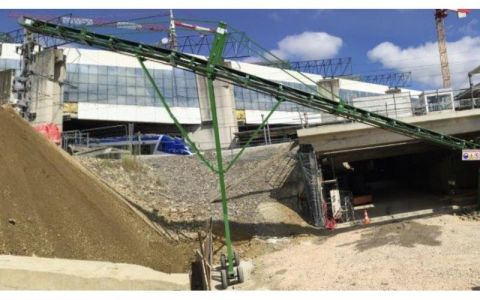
x=377, y=40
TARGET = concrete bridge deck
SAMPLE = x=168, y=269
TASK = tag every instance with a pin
x=364, y=139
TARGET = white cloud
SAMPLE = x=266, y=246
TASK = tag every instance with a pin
x=424, y=62
x=274, y=16
x=308, y=46
x=471, y=28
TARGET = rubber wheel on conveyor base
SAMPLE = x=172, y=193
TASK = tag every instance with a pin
x=240, y=276
x=236, y=259
x=224, y=278
x=223, y=261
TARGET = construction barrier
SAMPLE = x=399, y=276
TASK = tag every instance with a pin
x=50, y=131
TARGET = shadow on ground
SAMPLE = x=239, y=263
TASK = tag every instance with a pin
x=240, y=231
x=405, y=234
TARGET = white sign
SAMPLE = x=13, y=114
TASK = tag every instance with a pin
x=470, y=154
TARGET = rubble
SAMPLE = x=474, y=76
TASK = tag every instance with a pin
x=182, y=191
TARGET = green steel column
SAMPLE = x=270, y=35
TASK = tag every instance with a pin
x=221, y=175
x=214, y=59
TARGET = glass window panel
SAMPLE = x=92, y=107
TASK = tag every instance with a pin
x=121, y=81
x=102, y=89
x=83, y=87
x=92, y=88
x=139, y=72
x=92, y=69
x=122, y=99
x=83, y=77
x=102, y=70
x=82, y=97
x=112, y=70
x=121, y=90
x=102, y=79
x=130, y=71
x=112, y=80
x=92, y=78
x=140, y=81
x=130, y=91
x=140, y=91
x=92, y=97
x=83, y=68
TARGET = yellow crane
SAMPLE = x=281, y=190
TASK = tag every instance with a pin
x=440, y=15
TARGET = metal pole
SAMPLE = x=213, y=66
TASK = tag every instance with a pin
x=254, y=134
x=215, y=57
x=264, y=131
x=478, y=190
x=395, y=106
x=221, y=174
x=268, y=134
x=130, y=138
x=471, y=89
x=182, y=130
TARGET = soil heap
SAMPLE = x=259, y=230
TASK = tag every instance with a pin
x=52, y=207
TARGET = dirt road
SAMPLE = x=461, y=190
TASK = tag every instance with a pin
x=436, y=253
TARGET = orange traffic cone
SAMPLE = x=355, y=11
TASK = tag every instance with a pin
x=366, y=219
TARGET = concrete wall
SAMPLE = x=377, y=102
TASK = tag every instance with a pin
x=355, y=85
x=137, y=113
x=225, y=104
x=6, y=85
x=49, y=73
x=391, y=105
x=275, y=74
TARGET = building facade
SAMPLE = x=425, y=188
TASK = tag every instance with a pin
x=102, y=87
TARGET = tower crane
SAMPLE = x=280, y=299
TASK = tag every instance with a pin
x=440, y=15
x=80, y=21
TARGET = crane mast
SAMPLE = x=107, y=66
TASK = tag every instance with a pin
x=172, y=35
x=440, y=15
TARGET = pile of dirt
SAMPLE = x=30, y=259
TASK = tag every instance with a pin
x=52, y=207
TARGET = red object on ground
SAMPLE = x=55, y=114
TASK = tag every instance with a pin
x=329, y=223
x=50, y=131
x=365, y=199
x=366, y=219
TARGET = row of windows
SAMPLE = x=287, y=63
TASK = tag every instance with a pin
x=122, y=85
x=126, y=85
x=248, y=99
x=348, y=95
x=6, y=63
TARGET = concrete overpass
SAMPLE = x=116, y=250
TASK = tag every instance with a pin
x=356, y=141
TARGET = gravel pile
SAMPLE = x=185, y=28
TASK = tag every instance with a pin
x=182, y=191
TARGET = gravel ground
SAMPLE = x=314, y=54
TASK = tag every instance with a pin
x=182, y=191
x=436, y=253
